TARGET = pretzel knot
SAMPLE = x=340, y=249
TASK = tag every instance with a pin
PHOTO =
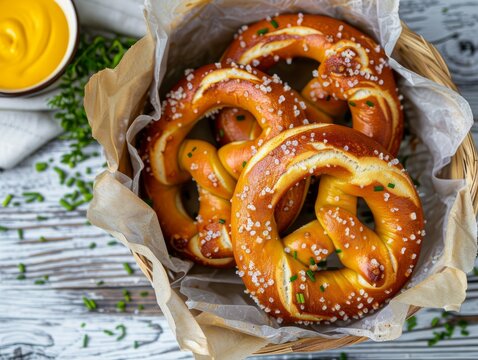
x=352, y=68
x=286, y=276
x=171, y=161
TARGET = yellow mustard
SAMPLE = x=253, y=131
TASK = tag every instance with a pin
x=33, y=41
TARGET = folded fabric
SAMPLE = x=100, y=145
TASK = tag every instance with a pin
x=27, y=123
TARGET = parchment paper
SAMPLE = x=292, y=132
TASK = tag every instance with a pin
x=206, y=308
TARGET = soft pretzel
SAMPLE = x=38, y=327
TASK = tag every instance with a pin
x=171, y=161
x=352, y=67
x=285, y=276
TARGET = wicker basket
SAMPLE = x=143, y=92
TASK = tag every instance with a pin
x=418, y=55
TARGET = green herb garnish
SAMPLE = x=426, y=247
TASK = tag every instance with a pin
x=89, y=303
x=311, y=261
x=21, y=268
x=122, y=329
x=338, y=251
x=126, y=295
x=369, y=103
x=41, y=166
x=378, y=188
x=39, y=282
x=244, y=163
x=92, y=245
x=93, y=54
x=240, y=117
x=293, y=278
x=143, y=293
x=86, y=339
x=322, y=288
x=108, y=332
x=121, y=306
x=351, y=103
x=274, y=24
x=262, y=31
x=7, y=200
x=222, y=221
x=411, y=323
x=128, y=268
x=391, y=186
x=20, y=234
x=311, y=275
x=300, y=298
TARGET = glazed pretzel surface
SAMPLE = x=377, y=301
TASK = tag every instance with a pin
x=352, y=67
x=286, y=276
x=172, y=161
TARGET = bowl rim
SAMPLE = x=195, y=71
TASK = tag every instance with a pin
x=60, y=71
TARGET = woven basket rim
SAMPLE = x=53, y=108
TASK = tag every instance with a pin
x=424, y=59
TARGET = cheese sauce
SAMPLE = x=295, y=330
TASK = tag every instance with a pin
x=34, y=38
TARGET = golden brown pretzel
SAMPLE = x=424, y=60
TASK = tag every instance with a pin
x=352, y=67
x=171, y=161
x=284, y=276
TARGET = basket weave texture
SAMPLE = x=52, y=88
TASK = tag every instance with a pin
x=418, y=55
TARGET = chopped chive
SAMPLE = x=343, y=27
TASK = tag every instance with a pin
x=140, y=307
x=83, y=325
x=42, y=239
x=3, y=228
x=322, y=263
x=378, y=188
x=300, y=298
x=112, y=242
x=311, y=261
x=274, y=24
x=221, y=132
x=351, y=103
x=21, y=268
x=46, y=277
x=7, y=200
x=86, y=339
x=39, y=282
x=338, y=251
x=21, y=277
x=88, y=170
x=143, y=293
x=66, y=205
x=89, y=303
x=295, y=255
x=92, y=245
x=262, y=31
x=194, y=148
x=122, y=328
x=343, y=356
x=41, y=166
x=222, y=221
x=322, y=288
x=61, y=174
x=121, y=306
x=126, y=295
x=99, y=283
x=128, y=268
x=190, y=155
x=41, y=218
x=244, y=163
x=475, y=271
x=411, y=323
x=70, y=182
x=20, y=234
x=136, y=344
x=369, y=103
x=108, y=332
x=240, y=117
x=391, y=186
x=435, y=321
x=311, y=275
x=293, y=278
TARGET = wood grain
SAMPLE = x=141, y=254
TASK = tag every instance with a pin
x=44, y=321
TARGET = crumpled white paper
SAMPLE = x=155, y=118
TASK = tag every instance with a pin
x=191, y=33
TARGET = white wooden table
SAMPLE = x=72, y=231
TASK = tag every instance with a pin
x=50, y=320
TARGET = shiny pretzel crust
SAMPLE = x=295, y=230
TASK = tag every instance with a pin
x=284, y=275
x=352, y=68
x=172, y=161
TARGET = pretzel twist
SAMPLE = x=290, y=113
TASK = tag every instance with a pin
x=172, y=161
x=284, y=276
x=352, y=67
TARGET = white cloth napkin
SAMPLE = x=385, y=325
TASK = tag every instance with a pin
x=26, y=123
